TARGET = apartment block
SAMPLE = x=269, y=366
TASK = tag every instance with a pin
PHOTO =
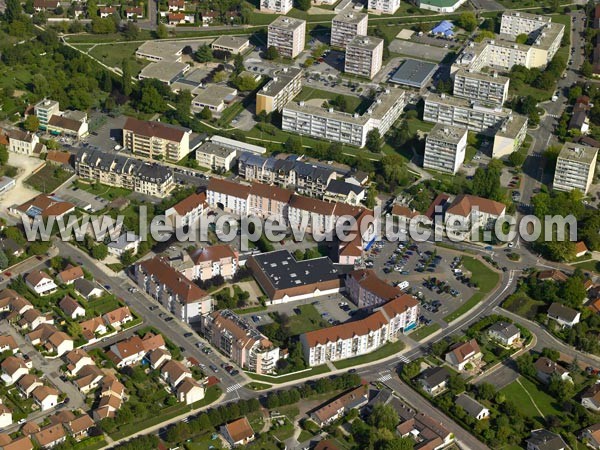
x=482, y=87
x=129, y=173
x=361, y=337
x=445, y=148
x=228, y=196
x=441, y=6
x=287, y=35
x=239, y=341
x=496, y=121
x=170, y=288
x=45, y=109
x=367, y=290
x=24, y=142
x=276, y=6
x=156, y=139
x=268, y=201
x=342, y=127
x=347, y=25
x=514, y=23
x=216, y=157
x=364, y=56
x=284, y=86
x=208, y=262
x=383, y=6
x=575, y=167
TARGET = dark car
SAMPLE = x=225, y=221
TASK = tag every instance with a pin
x=168, y=319
x=188, y=335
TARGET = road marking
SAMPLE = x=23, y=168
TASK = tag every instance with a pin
x=385, y=377
x=404, y=359
x=234, y=387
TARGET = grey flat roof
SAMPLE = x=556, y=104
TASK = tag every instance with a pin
x=368, y=42
x=280, y=81
x=349, y=16
x=414, y=72
x=230, y=41
x=213, y=94
x=287, y=23
x=165, y=71
x=578, y=152
x=213, y=148
x=447, y=133
x=284, y=272
x=491, y=77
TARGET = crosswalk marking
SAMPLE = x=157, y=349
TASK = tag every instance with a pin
x=234, y=387
x=385, y=377
x=404, y=359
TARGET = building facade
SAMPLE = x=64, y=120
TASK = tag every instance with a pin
x=481, y=86
x=287, y=35
x=384, y=6
x=276, y=6
x=364, y=56
x=347, y=25
x=445, y=148
x=155, y=139
x=284, y=86
x=575, y=167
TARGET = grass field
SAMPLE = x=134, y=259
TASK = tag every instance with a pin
x=485, y=278
x=523, y=305
x=383, y=352
x=104, y=305
x=107, y=192
x=48, y=178
x=358, y=104
x=591, y=265
x=113, y=55
x=291, y=377
x=529, y=399
x=422, y=332
x=309, y=319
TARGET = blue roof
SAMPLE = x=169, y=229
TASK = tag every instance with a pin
x=442, y=27
x=449, y=33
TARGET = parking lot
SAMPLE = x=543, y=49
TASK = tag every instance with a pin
x=81, y=198
x=107, y=135
x=429, y=272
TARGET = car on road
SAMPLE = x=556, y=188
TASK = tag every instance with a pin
x=214, y=368
x=153, y=307
x=489, y=248
x=207, y=350
x=107, y=286
x=199, y=344
x=234, y=372
x=188, y=335
x=22, y=421
x=168, y=319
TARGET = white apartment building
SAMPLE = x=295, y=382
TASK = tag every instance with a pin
x=383, y=6
x=228, y=196
x=361, y=336
x=575, y=167
x=215, y=156
x=284, y=86
x=155, y=139
x=287, y=35
x=347, y=25
x=276, y=6
x=445, y=148
x=23, y=142
x=45, y=109
x=468, y=211
x=364, y=56
x=508, y=128
x=481, y=86
x=187, y=211
x=342, y=127
x=515, y=23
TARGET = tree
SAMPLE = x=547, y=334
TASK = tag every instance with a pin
x=100, y=251
x=203, y=54
x=127, y=258
x=220, y=76
x=245, y=83
x=31, y=123
x=303, y=5
x=371, y=200
x=522, y=38
x=131, y=31
x=3, y=155
x=206, y=113
x=486, y=391
x=151, y=101
x=294, y=145
x=483, y=35
x=586, y=69
x=3, y=260
x=161, y=31
x=411, y=370
x=272, y=53
x=383, y=416
x=516, y=159
x=126, y=77
x=340, y=103
x=467, y=21
x=238, y=64
x=13, y=10
x=374, y=141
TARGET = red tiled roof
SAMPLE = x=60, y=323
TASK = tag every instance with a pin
x=346, y=330
x=190, y=203
x=464, y=204
x=228, y=188
x=154, y=129
x=240, y=429
x=212, y=253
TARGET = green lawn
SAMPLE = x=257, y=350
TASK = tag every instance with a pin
x=256, y=386
x=424, y=331
x=523, y=305
x=485, y=278
x=388, y=349
x=104, y=191
x=307, y=320
x=522, y=394
x=591, y=265
x=354, y=103
x=48, y=178
x=290, y=377
x=113, y=55
x=104, y=304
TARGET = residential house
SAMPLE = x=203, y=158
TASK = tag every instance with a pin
x=32, y=319
x=428, y=433
x=118, y=317
x=43, y=206
x=71, y=307
x=92, y=328
x=24, y=142
x=580, y=249
x=579, y=116
x=552, y=275
x=565, y=316
x=174, y=372
x=46, y=397
x=60, y=159
x=23, y=443
x=13, y=369
x=78, y=428
x=590, y=398
x=546, y=369
x=87, y=289
x=50, y=436
x=158, y=357
x=504, y=333
x=333, y=410
x=134, y=13
x=472, y=407
x=8, y=343
x=545, y=440
x=59, y=343
x=189, y=391
x=127, y=242
x=89, y=378
x=40, y=282
x=434, y=380
x=464, y=353
x=468, y=211
x=127, y=352
x=76, y=360
x=29, y=383
x=214, y=260
x=111, y=398
x=591, y=436
x=238, y=433
x=344, y=192
x=70, y=274
x=5, y=416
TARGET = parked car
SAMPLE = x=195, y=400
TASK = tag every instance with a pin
x=188, y=335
